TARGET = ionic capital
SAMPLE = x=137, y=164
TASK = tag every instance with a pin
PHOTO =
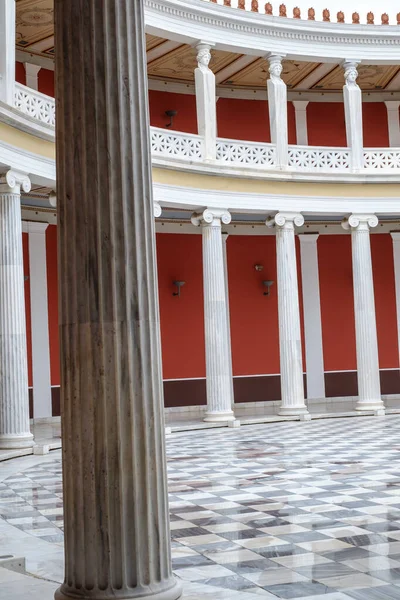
x=13, y=181
x=285, y=220
x=211, y=217
x=157, y=210
x=359, y=222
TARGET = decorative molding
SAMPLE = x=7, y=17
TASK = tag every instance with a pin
x=211, y=216
x=36, y=105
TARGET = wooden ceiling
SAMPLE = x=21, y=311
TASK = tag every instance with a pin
x=175, y=62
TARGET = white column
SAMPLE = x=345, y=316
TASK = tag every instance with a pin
x=14, y=402
x=228, y=317
x=218, y=365
x=300, y=113
x=369, y=389
x=392, y=107
x=396, y=259
x=117, y=536
x=7, y=50
x=277, y=105
x=42, y=407
x=31, y=72
x=353, y=114
x=289, y=314
x=206, y=100
x=312, y=316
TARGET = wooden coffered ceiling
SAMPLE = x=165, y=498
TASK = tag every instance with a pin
x=174, y=62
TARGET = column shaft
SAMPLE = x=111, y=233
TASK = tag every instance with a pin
x=218, y=364
x=369, y=390
x=206, y=101
x=277, y=105
x=228, y=317
x=42, y=407
x=32, y=72
x=392, y=107
x=396, y=259
x=7, y=50
x=353, y=115
x=291, y=361
x=312, y=316
x=300, y=111
x=14, y=403
x=117, y=539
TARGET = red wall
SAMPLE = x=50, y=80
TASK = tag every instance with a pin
x=246, y=120
x=52, y=294
x=179, y=258
x=27, y=287
x=375, y=125
x=337, y=304
x=185, y=104
x=326, y=124
x=20, y=73
x=46, y=82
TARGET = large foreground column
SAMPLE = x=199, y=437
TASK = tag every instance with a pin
x=369, y=389
x=218, y=364
x=292, y=385
x=117, y=542
x=14, y=402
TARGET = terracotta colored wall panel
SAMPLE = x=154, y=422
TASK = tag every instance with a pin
x=20, y=75
x=27, y=287
x=375, y=125
x=179, y=258
x=326, y=124
x=185, y=104
x=254, y=317
x=385, y=300
x=52, y=294
x=46, y=82
x=337, y=304
x=243, y=120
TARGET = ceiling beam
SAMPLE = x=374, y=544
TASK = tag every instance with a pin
x=235, y=67
x=315, y=76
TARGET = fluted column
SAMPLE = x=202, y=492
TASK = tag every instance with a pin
x=228, y=316
x=14, y=401
x=277, y=105
x=396, y=261
x=292, y=384
x=117, y=539
x=369, y=389
x=218, y=365
x=353, y=114
x=206, y=100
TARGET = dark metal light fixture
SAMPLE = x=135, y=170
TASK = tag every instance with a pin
x=178, y=285
x=171, y=114
x=268, y=285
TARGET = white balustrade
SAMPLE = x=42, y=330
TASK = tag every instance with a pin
x=176, y=144
x=311, y=158
x=381, y=159
x=35, y=104
x=252, y=154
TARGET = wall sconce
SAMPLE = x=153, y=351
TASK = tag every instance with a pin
x=178, y=285
x=259, y=268
x=26, y=277
x=171, y=114
x=268, y=285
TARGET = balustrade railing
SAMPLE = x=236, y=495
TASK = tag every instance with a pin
x=34, y=104
x=188, y=147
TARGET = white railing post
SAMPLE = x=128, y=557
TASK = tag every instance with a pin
x=353, y=114
x=277, y=105
x=32, y=72
x=7, y=50
x=206, y=100
x=300, y=115
x=392, y=107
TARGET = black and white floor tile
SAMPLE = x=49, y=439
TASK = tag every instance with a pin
x=291, y=510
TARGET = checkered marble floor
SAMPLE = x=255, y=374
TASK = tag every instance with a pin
x=290, y=510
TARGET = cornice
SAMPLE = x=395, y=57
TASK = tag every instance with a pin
x=253, y=33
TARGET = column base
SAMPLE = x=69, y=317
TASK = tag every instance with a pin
x=293, y=411
x=219, y=417
x=370, y=405
x=173, y=593
x=9, y=441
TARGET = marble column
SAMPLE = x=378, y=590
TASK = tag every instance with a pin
x=277, y=105
x=206, y=100
x=117, y=537
x=218, y=364
x=300, y=114
x=353, y=114
x=14, y=402
x=7, y=51
x=292, y=385
x=228, y=316
x=312, y=315
x=396, y=260
x=369, y=389
x=392, y=107
x=42, y=404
